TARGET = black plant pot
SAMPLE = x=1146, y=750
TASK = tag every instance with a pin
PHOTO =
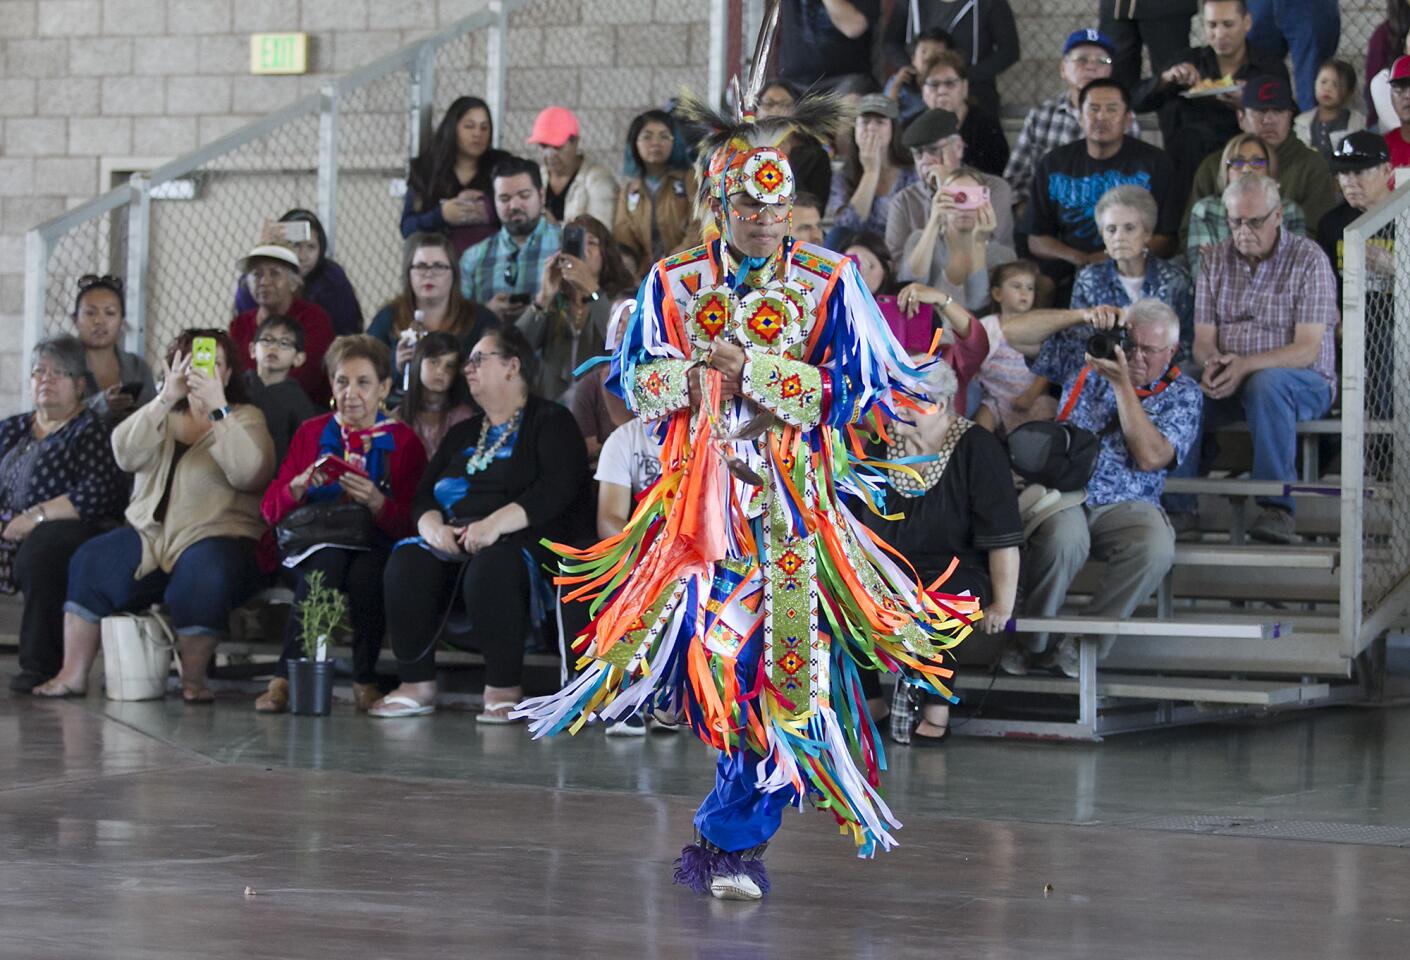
x=311, y=687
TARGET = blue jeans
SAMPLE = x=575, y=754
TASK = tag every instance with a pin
x=1311, y=28
x=209, y=580
x=1273, y=402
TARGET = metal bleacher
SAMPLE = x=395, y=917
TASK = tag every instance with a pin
x=1241, y=628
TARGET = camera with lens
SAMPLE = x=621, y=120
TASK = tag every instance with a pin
x=1102, y=344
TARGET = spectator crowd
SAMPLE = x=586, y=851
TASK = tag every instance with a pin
x=1080, y=279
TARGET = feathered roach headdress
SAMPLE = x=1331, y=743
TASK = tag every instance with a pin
x=742, y=154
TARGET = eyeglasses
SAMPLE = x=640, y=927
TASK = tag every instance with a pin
x=94, y=280
x=511, y=269
x=430, y=269
x=47, y=373
x=283, y=343
x=1253, y=223
x=1149, y=352
x=1090, y=61
x=1253, y=163
x=950, y=84
x=473, y=361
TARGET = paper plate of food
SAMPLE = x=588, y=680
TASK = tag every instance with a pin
x=1212, y=88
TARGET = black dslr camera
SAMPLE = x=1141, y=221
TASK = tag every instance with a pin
x=1102, y=344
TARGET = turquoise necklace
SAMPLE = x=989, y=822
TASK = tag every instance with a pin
x=484, y=455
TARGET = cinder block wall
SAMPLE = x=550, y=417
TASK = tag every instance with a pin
x=88, y=81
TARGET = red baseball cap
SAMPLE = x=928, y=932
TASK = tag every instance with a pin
x=1400, y=71
x=553, y=126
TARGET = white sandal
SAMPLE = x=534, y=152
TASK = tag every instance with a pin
x=497, y=714
x=397, y=705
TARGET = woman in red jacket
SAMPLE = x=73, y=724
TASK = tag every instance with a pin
x=390, y=459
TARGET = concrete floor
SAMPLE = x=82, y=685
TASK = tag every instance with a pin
x=133, y=830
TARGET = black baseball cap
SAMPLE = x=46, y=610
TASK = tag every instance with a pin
x=931, y=126
x=1268, y=93
x=1361, y=150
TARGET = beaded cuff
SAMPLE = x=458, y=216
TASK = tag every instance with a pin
x=661, y=387
x=789, y=389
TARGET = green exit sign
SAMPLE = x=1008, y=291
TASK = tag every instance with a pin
x=279, y=53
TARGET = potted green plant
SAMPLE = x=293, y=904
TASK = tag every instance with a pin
x=323, y=618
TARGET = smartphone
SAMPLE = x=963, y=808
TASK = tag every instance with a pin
x=203, y=355
x=521, y=299
x=132, y=389
x=967, y=198
x=574, y=241
x=296, y=231
x=331, y=467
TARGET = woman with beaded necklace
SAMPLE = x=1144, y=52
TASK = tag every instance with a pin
x=959, y=505
x=500, y=483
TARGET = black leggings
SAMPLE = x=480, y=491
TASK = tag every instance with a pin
x=358, y=573
x=492, y=584
x=41, y=571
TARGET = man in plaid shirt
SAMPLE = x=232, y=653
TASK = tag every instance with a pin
x=1086, y=56
x=1265, y=320
x=504, y=270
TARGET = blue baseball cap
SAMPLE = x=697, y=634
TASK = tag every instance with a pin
x=1095, y=37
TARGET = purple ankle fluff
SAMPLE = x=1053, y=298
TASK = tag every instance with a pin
x=696, y=866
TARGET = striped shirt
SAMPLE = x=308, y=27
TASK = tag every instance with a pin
x=498, y=265
x=1259, y=310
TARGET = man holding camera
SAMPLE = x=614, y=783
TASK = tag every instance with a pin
x=1265, y=322
x=1146, y=415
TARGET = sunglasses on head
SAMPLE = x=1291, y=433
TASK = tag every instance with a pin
x=94, y=280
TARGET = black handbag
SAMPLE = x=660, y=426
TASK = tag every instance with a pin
x=1057, y=455
x=338, y=524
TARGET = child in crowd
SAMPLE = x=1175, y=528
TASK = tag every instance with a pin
x=1010, y=394
x=278, y=350
x=904, y=85
x=1324, y=126
x=437, y=397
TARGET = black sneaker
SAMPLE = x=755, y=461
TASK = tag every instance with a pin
x=25, y=681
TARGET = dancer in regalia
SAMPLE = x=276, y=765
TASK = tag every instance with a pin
x=743, y=597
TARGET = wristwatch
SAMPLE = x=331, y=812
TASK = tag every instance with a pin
x=37, y=513
x=948, y=300
x=221, y=414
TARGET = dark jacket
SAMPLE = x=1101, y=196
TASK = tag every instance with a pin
x=546, y=474
x=1148, y=9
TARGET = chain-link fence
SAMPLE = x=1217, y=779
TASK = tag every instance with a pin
x=1375, y=358
x=178, y=233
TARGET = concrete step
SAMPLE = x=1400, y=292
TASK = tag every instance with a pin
x=1129, y=686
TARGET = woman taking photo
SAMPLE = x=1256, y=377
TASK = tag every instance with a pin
x=449, y=190
x=956, y=249
x=567, y=322
x=324, y=281
x=656, y=209
x=872, y=174
x=437, y=397
x=501, y=482
x=59, y=486
x=202, y=458
x=431, y=288
x=961, y=507
x=123, y=380
x=379, y=462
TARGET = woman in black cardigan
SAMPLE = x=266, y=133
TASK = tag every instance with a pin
x=500, y=483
